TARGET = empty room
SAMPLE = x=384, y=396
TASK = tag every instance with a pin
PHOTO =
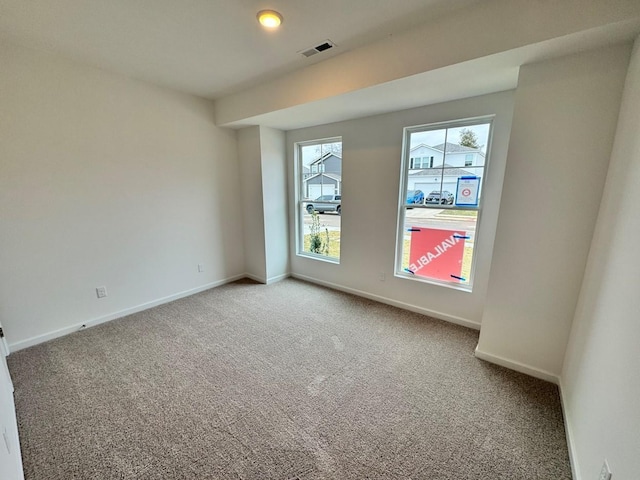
x=179, y=295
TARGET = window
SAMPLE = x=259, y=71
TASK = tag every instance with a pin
x=416, y=163
x=319, y=198
x=468, y=159
x=440, y=206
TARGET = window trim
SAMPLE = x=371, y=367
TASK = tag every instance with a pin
x=402, y=207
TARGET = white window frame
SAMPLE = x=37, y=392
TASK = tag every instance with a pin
x=403, y=207
x=299, y=199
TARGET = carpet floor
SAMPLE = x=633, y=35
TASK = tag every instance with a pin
x=286, y=381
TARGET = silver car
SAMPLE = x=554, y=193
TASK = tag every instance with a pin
x=325, y=203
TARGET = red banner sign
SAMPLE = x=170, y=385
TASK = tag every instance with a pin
x=437, y=253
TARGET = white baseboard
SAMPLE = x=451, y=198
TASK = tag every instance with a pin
x=389, y=301
x=255, y=278
x=29, y=342
x=267, y=281
x=568, y=431
x=277, y=278
x=517, y=366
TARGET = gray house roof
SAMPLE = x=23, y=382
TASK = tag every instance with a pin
x=423, y=145
x=325, y=156
x=447, y=171
x=334, y=176
x=454, y=148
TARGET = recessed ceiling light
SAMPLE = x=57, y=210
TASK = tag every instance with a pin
x=269, y=18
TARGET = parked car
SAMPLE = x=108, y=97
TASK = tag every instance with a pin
x=435, y=197
x=415, y=196
x=325, y=203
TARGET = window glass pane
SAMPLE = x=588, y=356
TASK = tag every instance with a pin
x=320, y=190
x=428, y=160
x=320, y=232
x=438, y=244
x=441, y=201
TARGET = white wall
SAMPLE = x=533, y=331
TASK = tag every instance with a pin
x=264, y=198
x=10, y=458
x=372, y=149
x=563, y=127
x=600, y=380
x=275, y=202
x=106, y=181
x=250, y=197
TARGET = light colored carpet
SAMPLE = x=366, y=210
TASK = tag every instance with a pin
x=287, y=381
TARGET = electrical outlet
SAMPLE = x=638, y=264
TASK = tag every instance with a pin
x=101, y=292
x=381, y=276
x=605, y=473
x=200, y=267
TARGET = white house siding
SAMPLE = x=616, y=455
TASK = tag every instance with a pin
x=429, y=184
x=422, y=151
x=315, y=191
x=454, y=159
x=322, y=185
x=458, y=159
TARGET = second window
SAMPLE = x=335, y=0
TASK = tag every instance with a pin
x=444, y=167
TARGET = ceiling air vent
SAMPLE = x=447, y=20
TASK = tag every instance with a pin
x=326, y=45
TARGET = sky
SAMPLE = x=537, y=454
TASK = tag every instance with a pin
x=312, y=152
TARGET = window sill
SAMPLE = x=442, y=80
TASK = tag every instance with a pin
x=440, y=283
x=322, y=258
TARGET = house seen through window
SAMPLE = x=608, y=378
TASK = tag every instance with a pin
x=319, y=202
x=441, y=200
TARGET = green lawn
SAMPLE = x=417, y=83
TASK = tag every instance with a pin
x=460, y=213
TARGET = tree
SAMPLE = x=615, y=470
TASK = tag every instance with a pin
x=323, y=149
x=468, y=138
x=336, y=148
